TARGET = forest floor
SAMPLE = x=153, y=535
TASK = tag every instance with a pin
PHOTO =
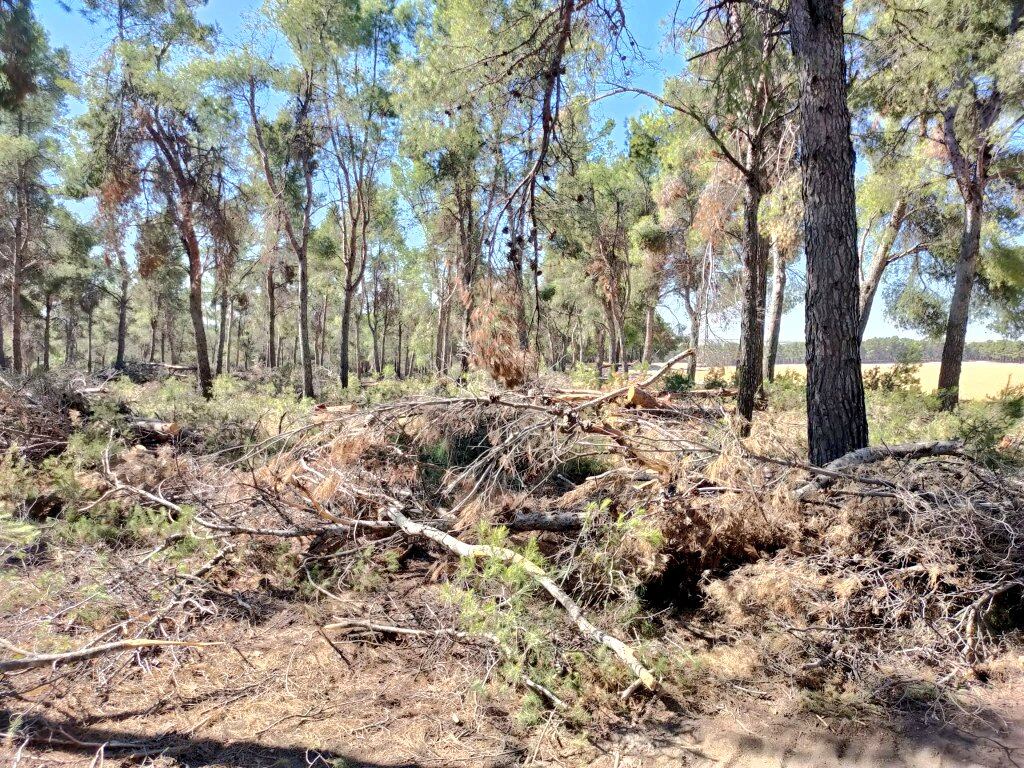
x=870, y=617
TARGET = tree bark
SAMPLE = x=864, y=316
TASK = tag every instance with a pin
x=836, y=416
x=775, y=318
x=960, y=304
x=749, y=371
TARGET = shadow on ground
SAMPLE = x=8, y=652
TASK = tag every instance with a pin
x=69, y=737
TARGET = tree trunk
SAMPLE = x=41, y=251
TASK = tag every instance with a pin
x=47, y=309
x=89, y=343
x=775, y=318
x=122, y=316
x=749, y=371
x=271, y=319
x=303, y=339
x=645, y=358
x=195, y=301
x=960, y=304
x=154, y=322
x=228, y=336
x=222, y=329
x=836, y=417
x=346, y=323
x=16, y=314
x=873, y=278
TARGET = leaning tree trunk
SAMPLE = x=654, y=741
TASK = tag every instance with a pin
x=749, y=366
x=836, y=417
x=775, y=318
x=960, y=304
x=869, y=286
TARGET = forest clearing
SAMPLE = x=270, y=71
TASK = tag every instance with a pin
x=437, y=383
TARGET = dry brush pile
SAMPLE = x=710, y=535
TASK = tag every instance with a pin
x=571, y=529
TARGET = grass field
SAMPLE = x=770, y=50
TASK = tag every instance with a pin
x=978, y=380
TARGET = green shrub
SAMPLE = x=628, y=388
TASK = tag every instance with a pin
x=678, y=382
x=715, y=378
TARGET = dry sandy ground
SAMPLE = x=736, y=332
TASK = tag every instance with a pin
x=281, y=694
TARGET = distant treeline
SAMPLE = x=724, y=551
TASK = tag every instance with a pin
x=892, y=349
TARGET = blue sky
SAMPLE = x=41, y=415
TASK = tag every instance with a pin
x=647, y=20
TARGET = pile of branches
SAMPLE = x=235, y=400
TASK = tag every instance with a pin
x=907, y=575
x=38, y=415
x=620, y=490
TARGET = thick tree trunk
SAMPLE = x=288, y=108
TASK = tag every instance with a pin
x=775, y=318
x=271, y=319
x=960, y=305
x=873, y=278
x=836, y=417
x=749, y=365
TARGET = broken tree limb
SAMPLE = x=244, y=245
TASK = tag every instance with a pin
x=473, y=551
x=644, y=384
x=834, y=469
x=32, y=661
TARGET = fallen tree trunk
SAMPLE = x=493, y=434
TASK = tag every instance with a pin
x=473, y=551
x=877, y=453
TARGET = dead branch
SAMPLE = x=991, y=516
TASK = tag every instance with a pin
x=877, y=453
x=32, y=661
x=473, y=551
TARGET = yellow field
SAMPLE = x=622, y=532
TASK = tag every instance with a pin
x=978, y=380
